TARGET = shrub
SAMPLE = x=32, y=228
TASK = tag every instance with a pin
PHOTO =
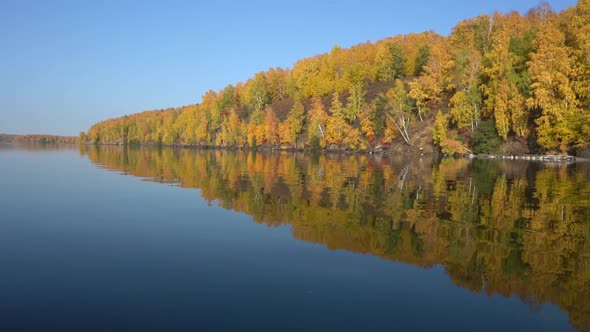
x=486, y=139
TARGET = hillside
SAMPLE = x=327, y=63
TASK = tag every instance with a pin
x=507, y=83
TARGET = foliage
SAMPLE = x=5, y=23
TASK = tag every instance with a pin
x=439, y=132
x=391, y=61
x=83, y=138
x=527, y=75
x=398, y=109
x=336, y=126
x=356, y=102
x=452, y=146
x=290, y=129
x=317, y=124
x=422, y=59
x=486, y=139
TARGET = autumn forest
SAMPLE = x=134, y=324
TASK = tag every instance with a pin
x=505, y=83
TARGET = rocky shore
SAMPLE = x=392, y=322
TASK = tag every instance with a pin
x=542, y=158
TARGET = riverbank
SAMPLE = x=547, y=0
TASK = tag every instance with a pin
x=389, y=150
x=547, y=158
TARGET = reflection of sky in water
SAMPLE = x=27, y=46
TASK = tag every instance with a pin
x=87, y=249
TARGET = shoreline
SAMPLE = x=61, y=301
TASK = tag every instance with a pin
x=549, y=158
x=532, y=157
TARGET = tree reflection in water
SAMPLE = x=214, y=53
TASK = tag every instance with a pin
x=513, y=228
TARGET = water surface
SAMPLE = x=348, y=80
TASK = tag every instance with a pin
x=111, y=238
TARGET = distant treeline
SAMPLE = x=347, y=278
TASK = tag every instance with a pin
x=38, y=139
x=509, y=83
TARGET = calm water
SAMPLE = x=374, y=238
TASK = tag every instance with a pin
x=106, y=239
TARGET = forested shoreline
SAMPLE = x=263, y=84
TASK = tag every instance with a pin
x=504, y=83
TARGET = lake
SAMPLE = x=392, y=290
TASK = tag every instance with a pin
x=113, y=238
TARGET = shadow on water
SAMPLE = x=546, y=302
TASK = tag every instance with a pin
x=513, y=228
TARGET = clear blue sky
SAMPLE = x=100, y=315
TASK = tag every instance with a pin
x=67, y=64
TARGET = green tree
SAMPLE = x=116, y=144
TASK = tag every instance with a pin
x=421, y=59
x=485, y=138
x=391, y=61
x=399, y=60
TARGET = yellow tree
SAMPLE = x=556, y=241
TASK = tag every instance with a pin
x=202, y=125
x=435, y=76
x=271, y=126
x=352, y=138
x=231, y=130
x=439, y=132
x=579, y=26
x=419, y=96
x=255, y=130
x=581, y=32
x=367, y=117
x=316, y=130
x=210, y=105
x=465, y=104
x=277, y=82
x=186, y=124
x=289, y=129
x=552, y=72
x=256, y=93
x=336, y=126
x=83, y=138
x=305, y=74
x=503, y=100
x=398, y=109
x=356, y=102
